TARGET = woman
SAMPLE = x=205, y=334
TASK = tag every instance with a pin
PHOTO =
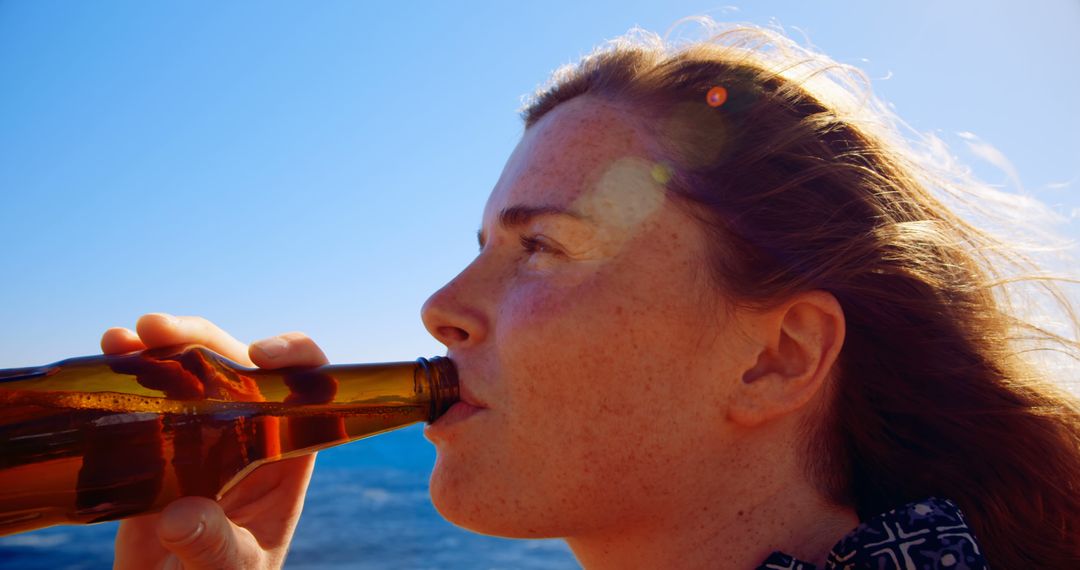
x=719, y=317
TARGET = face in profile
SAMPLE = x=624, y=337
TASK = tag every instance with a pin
x=589, y=329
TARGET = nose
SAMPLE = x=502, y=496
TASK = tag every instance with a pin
x=452, y=319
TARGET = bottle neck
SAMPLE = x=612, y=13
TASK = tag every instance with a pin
x=440, y=377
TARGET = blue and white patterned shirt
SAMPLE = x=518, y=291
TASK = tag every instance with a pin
x=930, y=534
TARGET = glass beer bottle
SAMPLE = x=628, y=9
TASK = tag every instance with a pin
x=100, y=438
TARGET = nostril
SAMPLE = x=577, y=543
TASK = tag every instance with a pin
x=453, y=334
x=453, y=316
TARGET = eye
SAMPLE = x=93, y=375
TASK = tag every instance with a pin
x=535, y=244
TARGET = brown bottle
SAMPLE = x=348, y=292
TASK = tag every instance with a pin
x=106, y=437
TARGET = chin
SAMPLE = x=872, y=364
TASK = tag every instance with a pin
x=462, y=500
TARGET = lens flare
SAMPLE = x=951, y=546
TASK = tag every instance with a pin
x=716, y=96
x=661, y=174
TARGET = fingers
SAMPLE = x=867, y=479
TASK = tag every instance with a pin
x=161, y=329
x=199, y=535
x=289, y=349
x=118, y=340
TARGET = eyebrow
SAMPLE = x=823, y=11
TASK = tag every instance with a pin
x=520, y=215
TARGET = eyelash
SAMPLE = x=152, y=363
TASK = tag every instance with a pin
x=531, y=244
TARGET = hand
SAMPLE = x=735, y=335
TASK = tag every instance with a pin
x=252, y=525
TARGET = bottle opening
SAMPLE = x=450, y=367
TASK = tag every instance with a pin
x=441, y=376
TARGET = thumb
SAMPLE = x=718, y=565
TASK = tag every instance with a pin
x=200, y=537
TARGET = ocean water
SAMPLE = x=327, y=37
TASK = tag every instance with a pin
x=367, y=508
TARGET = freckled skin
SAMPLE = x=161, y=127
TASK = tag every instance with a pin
x=607, y=363
x=600, y=402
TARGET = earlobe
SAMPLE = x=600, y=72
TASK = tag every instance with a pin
x=797, y=343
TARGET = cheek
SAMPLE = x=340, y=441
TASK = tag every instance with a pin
x=563, y=338
x=592, y=360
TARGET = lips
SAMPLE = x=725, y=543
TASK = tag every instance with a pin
x=466, y=407
x=458, y=415
x=459, y=412
x=466, y=395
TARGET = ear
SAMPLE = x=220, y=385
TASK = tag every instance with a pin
x=797, y=344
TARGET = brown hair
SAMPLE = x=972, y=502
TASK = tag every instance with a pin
x=802, y=178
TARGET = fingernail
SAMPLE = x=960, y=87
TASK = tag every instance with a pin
x=193, y=535
x=273, y=347
x=182, y=539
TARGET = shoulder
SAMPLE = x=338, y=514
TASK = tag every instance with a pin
x=928, y=534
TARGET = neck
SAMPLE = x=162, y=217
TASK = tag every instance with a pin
x=729, y=525
x=721, y=536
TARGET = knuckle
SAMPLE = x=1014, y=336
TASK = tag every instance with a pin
x=201, y=323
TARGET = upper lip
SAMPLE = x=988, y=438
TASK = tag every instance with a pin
x=465, y=395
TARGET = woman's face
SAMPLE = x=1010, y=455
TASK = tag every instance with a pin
x=589, y=330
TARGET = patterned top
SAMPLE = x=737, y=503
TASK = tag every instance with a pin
x=931, y=534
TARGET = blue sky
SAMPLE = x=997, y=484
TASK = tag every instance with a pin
x=321, y=166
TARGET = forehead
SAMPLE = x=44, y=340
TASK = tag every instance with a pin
x=569, y=152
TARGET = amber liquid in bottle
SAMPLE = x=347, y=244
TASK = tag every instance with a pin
x=105, y=437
